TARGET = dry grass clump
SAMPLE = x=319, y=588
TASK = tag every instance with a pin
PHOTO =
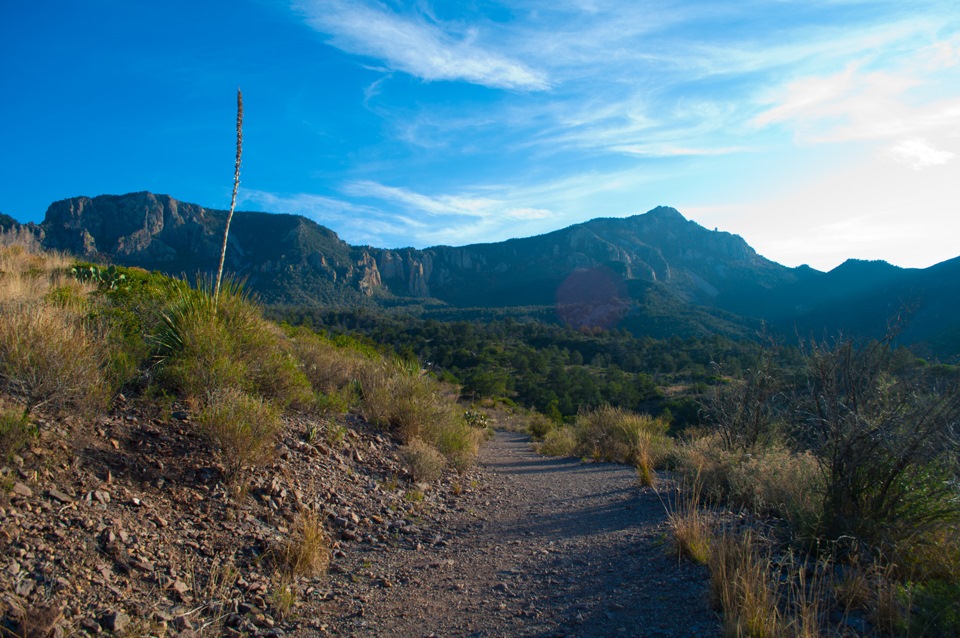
x=49, y=357
x=559, y=442
x=397, y=397
x=739, y=578
x=242, y=427
x=614, y=434
x=307, y=550
x=770, y=480
x=692, y=525
x=423, y=461
x=328, y=367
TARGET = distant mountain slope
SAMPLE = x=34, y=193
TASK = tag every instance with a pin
x=656, y=273
x=7, y=222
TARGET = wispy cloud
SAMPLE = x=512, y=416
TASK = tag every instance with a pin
x=417, y=44
x=918, y=153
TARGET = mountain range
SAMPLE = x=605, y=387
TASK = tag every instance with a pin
x=656, y=273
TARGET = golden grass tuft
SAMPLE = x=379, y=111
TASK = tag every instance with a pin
x=307, y=551
x=692, y=525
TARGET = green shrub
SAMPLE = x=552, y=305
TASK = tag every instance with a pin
x=15, y=432
x=242, y=427
x=883, y=442
x=205, y=347
x=456, y=440
x=540, y=426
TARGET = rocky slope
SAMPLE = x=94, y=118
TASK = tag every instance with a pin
x=123, y=525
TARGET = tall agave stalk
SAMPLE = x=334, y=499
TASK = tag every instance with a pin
x=233, y=198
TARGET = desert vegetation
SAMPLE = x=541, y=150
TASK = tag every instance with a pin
x=823, y=493
x=79, y=341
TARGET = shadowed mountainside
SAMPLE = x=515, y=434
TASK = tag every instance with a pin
x=656, y=273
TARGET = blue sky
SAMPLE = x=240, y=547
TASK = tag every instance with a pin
x=816, y=129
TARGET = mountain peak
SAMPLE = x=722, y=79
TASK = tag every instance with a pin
x=666, y=213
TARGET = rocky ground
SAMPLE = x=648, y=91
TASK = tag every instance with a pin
x=125, y=526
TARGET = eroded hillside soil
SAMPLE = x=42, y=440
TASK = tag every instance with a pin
x=546, y=547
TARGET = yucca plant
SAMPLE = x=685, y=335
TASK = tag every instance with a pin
x=233, y=198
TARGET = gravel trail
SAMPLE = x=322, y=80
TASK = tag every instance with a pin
x=539, y=547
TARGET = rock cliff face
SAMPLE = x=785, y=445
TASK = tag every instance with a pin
x=288, y=258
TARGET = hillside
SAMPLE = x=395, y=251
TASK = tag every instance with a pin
x=657, y=273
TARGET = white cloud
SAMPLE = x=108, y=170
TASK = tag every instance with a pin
x=529, y=213
x=918, y=153
x=432, y=205
x=417, y=45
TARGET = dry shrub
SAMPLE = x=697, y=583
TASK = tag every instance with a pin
x=771, y=480
x=423, y=461
x=48, y=357
x=559, y=442
x=396, y=396
x=328, y=367
x=243, y=428
x=307, y=551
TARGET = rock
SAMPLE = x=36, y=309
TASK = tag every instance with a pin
x=90, y=626
x=57, y=495
x=115, y=621
x=22, y=490
x=102, y=496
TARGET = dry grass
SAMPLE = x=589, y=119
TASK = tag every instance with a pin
x=771, y=480
x=692, y=525
x=614, y=434
x=559, y=442
x=48, y=357
x=242, y=427
x=307, y=551
x=423, y=461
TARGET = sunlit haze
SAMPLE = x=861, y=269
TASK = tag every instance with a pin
x=818, y=130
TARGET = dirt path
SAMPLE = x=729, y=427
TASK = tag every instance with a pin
x=539, y=547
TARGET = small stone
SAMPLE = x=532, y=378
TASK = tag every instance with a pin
x=22, y=490
x=14, y=568
x=57, y=495
x=180, y=587
x=90, y=626
x=182, y=623
x=102, y=496
x=348, y=535
x=115, y=621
